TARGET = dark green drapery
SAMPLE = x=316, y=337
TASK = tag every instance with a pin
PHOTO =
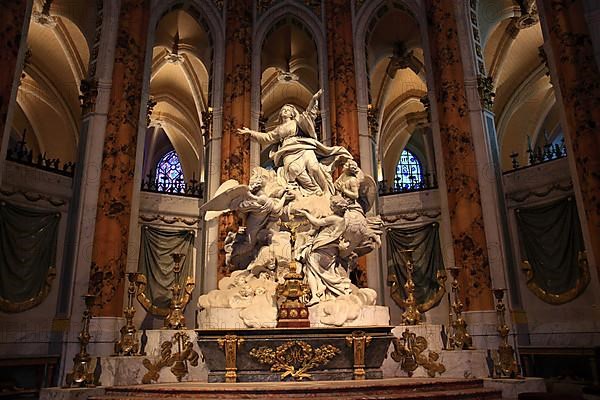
x=551, y=240
x=427, y=260
x=27, y=252
x=156, y=262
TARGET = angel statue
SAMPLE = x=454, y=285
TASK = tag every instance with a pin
x=363, y=233
x=301, y=159
x=261, y=202
x=326, y=276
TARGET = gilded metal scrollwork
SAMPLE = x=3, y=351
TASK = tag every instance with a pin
x=15, y=307
x=177, y=361
x=408, y=351
x=295, y=358
x=567, y=296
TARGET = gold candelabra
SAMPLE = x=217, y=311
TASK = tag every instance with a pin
x=180, y=296
x=82, y=374
x=292, y=313
x=459, y=338
x=411, y=314
x=127, y=345
x=505, y=364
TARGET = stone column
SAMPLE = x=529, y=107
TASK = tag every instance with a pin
x=237, y=100
x=459, y=160
x=14, y=23
x=576, y=79
x=109, y=255
x=342, y=80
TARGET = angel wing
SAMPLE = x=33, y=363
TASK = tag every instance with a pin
x=230, y=192
x=367, y=192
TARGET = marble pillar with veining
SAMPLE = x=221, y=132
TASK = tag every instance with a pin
x=577, y=78
x=458, y=152
x=237, y=93
x=342, y=80
x=109, y=255
x=12, y=18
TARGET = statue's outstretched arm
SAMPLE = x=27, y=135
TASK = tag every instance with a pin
x=261, y=137
x=313, y=105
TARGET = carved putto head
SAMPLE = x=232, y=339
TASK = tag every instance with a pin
x=338, y=205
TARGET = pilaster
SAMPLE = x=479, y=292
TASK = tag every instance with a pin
x=574, y=71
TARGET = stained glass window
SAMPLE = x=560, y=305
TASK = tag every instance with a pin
x=169, y=175
x=409, y=172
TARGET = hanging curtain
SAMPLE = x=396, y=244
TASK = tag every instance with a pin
x=428, y=270
x=552, y=247
x=156, y=263
x=28, y=240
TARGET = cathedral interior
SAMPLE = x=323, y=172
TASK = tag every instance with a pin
x=477, y=120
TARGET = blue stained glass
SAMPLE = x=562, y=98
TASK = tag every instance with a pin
x=169, y=174
x=409, y=172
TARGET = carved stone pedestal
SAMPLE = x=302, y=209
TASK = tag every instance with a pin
x=457, y=363
x=278, y=354
x=133, y=370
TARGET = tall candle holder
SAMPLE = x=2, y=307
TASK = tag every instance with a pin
x=128, y=345
x=179, y=297
x=505, y=364
x=411, y=314
x=82, y=374
x=459, y=337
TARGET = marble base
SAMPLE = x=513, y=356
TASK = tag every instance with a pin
x=229, y=318
x=129, y=370
x=431, y=332
x=57, y=393
x=512, y=387
x=458, y=363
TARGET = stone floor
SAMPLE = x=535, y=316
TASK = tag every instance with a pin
x=381, y=389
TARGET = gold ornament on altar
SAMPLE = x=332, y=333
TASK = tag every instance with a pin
x=177, y=361
x=230, y=344
x=128, y=345
x=292, y=312
x=411, y=314
x=505, y=364
x=295, y=358
x=82, y=374
x=408, y=351
x=458, y=338
x=180, y=296
x=359, y=342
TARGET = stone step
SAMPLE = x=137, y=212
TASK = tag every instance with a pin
x=385, y=389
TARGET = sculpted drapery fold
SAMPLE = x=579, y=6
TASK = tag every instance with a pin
x=109, y=256
x=579, y=82
x=464, y=199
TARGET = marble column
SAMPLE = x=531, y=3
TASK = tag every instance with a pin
x=576, y=79
x=109, y=254
x=13, y=27
x=342, y=80
x=459, y=160
x=237, y=94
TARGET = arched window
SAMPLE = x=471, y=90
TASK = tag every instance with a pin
x=409, y=172
x=169, y=175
